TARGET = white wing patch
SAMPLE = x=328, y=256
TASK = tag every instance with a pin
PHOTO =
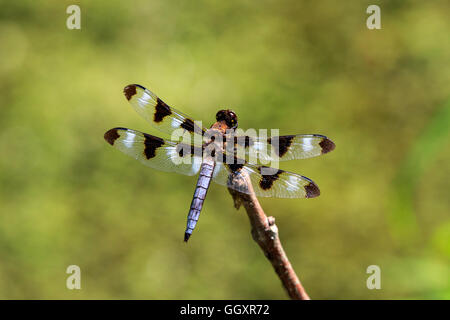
x=176, y=123
x=129, y=139
x=307, y=144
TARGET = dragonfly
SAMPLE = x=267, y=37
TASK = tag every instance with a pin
x=202, y=159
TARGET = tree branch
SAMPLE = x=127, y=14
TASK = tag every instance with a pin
x=265, y=233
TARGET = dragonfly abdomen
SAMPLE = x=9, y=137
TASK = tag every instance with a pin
x=204, y=179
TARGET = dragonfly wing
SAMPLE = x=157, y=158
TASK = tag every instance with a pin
x=284, y=148
x=164, y=155
x=266, y=181
x=157, y=112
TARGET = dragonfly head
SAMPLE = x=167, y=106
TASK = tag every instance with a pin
x=229, y=117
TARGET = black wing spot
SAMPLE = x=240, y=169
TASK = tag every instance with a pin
x=312, y=190
x=267, y=181
x=327, y=145
x=151, y=144
x=129, y=91
x=111, y=136
x=188, y=124
x=284, y=143
x=162, y=110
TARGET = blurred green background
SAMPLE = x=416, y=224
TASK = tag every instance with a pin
x=67, y=197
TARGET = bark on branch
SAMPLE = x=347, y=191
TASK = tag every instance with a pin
x=265, y=233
